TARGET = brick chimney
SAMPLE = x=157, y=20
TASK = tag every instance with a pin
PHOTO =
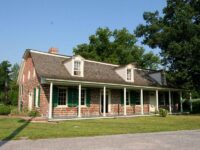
x=53, y=50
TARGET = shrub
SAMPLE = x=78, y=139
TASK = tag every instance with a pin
x=33, y=113
x=163, y=112
x=196, y=107
x=4, y=109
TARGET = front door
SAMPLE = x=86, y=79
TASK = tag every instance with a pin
x=30, y=101
x=152, y=99
x=103, y=103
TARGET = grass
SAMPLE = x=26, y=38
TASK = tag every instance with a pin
x=12, y=128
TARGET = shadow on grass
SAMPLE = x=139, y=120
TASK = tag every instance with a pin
x=15, y=132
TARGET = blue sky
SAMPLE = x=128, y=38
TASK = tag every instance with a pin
x=41, y=24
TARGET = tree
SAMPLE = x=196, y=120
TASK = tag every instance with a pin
x=4, y=80
x=177, y=33
x=13, y=90
x=118, y=47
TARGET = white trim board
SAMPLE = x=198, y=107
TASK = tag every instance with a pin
x=111, y=84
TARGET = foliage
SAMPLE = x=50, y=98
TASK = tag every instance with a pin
x=177, y=33
x=8, y=83
x=196, y=107
x=4, y=109
x=118, y=47
x=163, y=112
x=33, y=113
x=4, y=81
x=186, y=106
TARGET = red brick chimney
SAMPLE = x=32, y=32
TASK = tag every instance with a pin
x=53, y=50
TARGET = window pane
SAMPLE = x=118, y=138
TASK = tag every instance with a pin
x=128, y=74
x=127, y=98
x=62, y=97
x=77, y=68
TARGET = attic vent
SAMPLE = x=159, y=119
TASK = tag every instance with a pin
x=53, y=50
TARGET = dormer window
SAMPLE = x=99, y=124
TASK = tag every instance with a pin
x=77, y=68
x=129, y=74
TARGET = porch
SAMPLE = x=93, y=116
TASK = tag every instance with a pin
x=80, y=100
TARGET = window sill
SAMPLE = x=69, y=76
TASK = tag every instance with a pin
x=61, y=106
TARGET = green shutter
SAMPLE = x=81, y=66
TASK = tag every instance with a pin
x=55, y=96
x=34, y=90
x=70, y=95
x=132, y=97
x=122, y=97
x=88, y=98
x=75, y=97
x=38, y=96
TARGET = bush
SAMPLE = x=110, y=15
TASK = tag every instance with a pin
x=33, y=113
x=4, y=109
x=163, y=112
x=196, y=107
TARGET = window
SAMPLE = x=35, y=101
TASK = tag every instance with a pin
x=23, y=78
x=77, y=68
x=62, y=96
x=37, y=97
x=34, y=73
x=129, y=74
x=37, y=94
x=83, y=97
x=29, y=74
x=128, y=98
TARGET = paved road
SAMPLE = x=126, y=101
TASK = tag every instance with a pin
x=183, y=140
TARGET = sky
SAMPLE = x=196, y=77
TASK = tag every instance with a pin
x=41, y=24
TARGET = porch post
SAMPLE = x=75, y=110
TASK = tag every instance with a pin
x=104, y=101
x=170, y=102
x=181, y=101
x=157, y=100
x=124, y=101
x=79, y=100
x=190, y=101
x=50, y=100
x=141, y=101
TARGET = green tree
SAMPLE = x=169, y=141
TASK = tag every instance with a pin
x=4, y=81
x=118, y=47
x=177, y=33
x=13, y=87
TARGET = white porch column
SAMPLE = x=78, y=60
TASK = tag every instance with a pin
x=79, y=100
x=181, y=101
x=104, y=101
x=124, y=101
x=157, y=100
x=190, y=101
x=50, y=100
x=170, y=103
x=141, y=101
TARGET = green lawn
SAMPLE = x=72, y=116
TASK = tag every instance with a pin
x=11, y=128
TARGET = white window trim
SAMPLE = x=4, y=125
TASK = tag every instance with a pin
x=36, y=97
x=33, y=73
x=66, y=99
x=81, y=67
x=23, y=78
x=132, y=75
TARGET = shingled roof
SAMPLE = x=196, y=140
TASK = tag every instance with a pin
x=52, y=66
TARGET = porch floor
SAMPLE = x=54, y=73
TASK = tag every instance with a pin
x=63, y=118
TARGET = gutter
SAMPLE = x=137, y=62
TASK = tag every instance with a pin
x=48, y=80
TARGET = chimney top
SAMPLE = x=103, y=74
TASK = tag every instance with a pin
x=53, y=50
